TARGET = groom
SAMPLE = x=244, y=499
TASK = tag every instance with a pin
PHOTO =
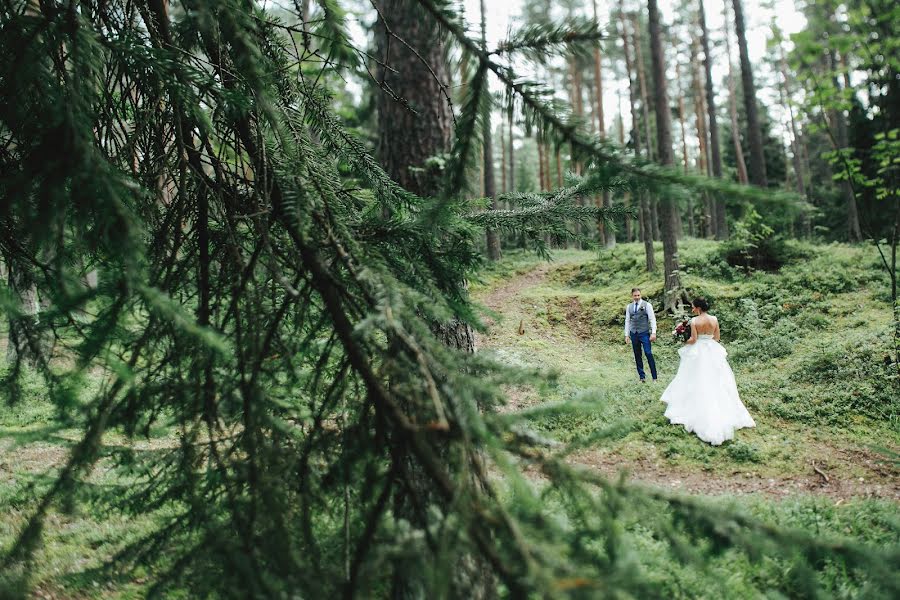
x=640, y=329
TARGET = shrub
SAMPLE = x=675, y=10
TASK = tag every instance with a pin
x=754, y=245
x=743, y=452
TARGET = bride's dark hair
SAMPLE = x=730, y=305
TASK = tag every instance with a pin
x=701, y=303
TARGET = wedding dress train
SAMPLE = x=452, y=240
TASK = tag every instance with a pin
x=703, y=396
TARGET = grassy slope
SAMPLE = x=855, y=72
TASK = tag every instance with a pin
x=805, y=345
x=570, y=312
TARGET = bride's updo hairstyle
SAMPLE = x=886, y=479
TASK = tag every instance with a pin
x=701, y=303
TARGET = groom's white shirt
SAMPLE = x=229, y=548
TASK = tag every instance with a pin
x=650, y=316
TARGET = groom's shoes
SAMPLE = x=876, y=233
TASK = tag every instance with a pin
x=643, y=381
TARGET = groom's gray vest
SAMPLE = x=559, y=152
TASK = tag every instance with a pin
x=639, y=320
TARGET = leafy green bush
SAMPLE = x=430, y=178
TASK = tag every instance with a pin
x=754, y=245
x=743, y=452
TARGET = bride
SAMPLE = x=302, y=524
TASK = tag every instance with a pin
x=703, y=396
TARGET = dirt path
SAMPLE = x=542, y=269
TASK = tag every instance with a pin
x=880, y=479
x=499, y=297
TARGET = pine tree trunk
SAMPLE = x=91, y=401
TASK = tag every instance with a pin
x=512, y=154
x=681, y=109
x=797, y=159
x=503, y=181
x=715, y=152
x=492, y=238
x=709, y=218
x=406, y=140
x=841, y=139
x=542, y=174
x=607, y=234
x=757, y=171
x=732, y=108
x=20, y=345
x=642, y=80
x=668, y=223
x=645, y=229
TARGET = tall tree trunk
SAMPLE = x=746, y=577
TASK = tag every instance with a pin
x=512, y=153
x=406, y=140
x=715, y=152
x=732, y=107
x=646, y=231
x=841, y=139
x=797, y=158
x=542, y=171
x=666, y=157
x=503, y=180
x=642, y=80
x=709, y=209
x=754, y=130
x=645, y=109
x=559, y=170
x=607, y=234
x=492, y=238
x=684, y=149
x=681, y=110
x=21, y=344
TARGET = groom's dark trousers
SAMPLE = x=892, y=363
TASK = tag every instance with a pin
x=639, y=341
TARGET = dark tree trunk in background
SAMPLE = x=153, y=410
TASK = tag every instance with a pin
x=18, y=346
x=715, y=151
x=642, y=80
x=512, y=155
x=643, y=204
x=757, y=171
x=732, y=107
x=503, y=181
x=490, y=183
x=709, y=207
x=607, y=234
x=406, y=139
x=668, y=224
x=841, y=140
x=797, y=158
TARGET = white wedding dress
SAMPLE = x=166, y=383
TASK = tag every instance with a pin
x=703, y=396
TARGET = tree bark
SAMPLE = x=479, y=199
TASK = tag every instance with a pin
x=732, y=108
x=19, y=346
x=797, y=158
x=757, y=171
x=503, y=180
x=841, y=138
x=645, y=229
x=492, y=238
x=715, y=152
x=666, y=157
x=406, y=140
x=709, y=209
x=642, y=80
x=607, y=235
x=512, y=153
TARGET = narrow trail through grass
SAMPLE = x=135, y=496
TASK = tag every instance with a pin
x=538, y=318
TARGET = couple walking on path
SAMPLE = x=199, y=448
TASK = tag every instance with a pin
x=703, y=396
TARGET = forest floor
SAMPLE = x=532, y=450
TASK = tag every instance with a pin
x=806, y=344
x=549, y=315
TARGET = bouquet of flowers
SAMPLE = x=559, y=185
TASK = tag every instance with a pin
x=682, y=332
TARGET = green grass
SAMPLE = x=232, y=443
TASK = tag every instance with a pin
x=821, y=399
x=806, y=344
